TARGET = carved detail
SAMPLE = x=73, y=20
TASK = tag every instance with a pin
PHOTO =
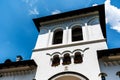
x=67, y=51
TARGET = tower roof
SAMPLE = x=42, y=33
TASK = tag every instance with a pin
x=99, y=8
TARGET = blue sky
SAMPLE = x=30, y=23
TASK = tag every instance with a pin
x=18, y=33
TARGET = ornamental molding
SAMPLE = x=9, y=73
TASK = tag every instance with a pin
x=69, y=45
x=67, y=51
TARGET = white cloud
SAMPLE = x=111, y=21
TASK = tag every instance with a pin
x=30, y=2
x=33, y=12
x=94, y=4
x=56, y=12
x=32, y=7
x=112, y=15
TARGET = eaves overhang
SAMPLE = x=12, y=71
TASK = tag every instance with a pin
x=18, y=66
x=99, y=8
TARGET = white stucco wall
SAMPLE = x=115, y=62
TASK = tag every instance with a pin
x=91, y=31
x=88, y=68
x=92, y=39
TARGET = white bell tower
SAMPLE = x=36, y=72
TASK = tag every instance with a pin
x=67, y=44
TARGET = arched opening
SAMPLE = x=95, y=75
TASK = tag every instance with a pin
x=103, y=75
x=57, y=36
x=66, y=59
x=68, y=78
x=78, y=58
x=55, y=60
x=77, y=33
x=93, y=21
x=69, y=75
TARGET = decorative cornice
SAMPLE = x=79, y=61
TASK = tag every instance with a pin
x=20, y=72
x=17, y=66
x=72, y=18
x=68, y=45
x=67, y=51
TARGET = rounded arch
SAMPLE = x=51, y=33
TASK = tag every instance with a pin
x=66, y=59
x=93, y=20
x=67, y=51
x=55, y=60
x=77, y=50
x=69, y=75
x=75, y=24
x=57, y=28
x=80, y=24
x=78, y=58
x=57, y=36
x=76, y=32
x=56, y=53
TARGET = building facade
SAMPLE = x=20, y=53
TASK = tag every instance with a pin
x=70, y=46
x=67, y=45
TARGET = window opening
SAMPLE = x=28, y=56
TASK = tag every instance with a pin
x=77, y=34
x=103, y=77
x=55, y=60
x=58, y=36
x=78, y=58
x=66, y=59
